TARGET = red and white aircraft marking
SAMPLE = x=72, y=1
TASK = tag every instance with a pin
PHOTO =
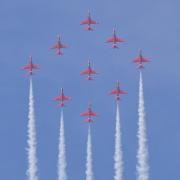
x=140, y=60
x=62, y=98
x=114, y=40
x=89, y=72
x=58, y=46
x=89, y=113
x=89, y=21
x=30, y=67
x=117, y=91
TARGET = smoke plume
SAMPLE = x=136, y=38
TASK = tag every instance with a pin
x=32, y=159
x=118, y=162
x=89, y=166
x=62, y=174
x=142, y=154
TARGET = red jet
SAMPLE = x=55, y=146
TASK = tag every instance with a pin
x=88, y=22
x=140, y=60
x=89, y=113
x=117, y=91
x=29, y=67
x=114, y=39
x=58, y=46
x=62, y=98
x=89, y=72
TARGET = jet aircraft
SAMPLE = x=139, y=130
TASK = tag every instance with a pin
x=89, y=22
x=117, y=91
x=89, y=72
x=114, y=40
x=62, y=98
x=89, y=114
x=58, y=46
x=140, y=60
x=30, y=67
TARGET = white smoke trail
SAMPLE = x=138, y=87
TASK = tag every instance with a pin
x=89, y=166
x=118, y=162
x=32, y=159
x=62, y=174
x=142, y=154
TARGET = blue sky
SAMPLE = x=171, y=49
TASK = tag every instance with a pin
x=30, y=28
